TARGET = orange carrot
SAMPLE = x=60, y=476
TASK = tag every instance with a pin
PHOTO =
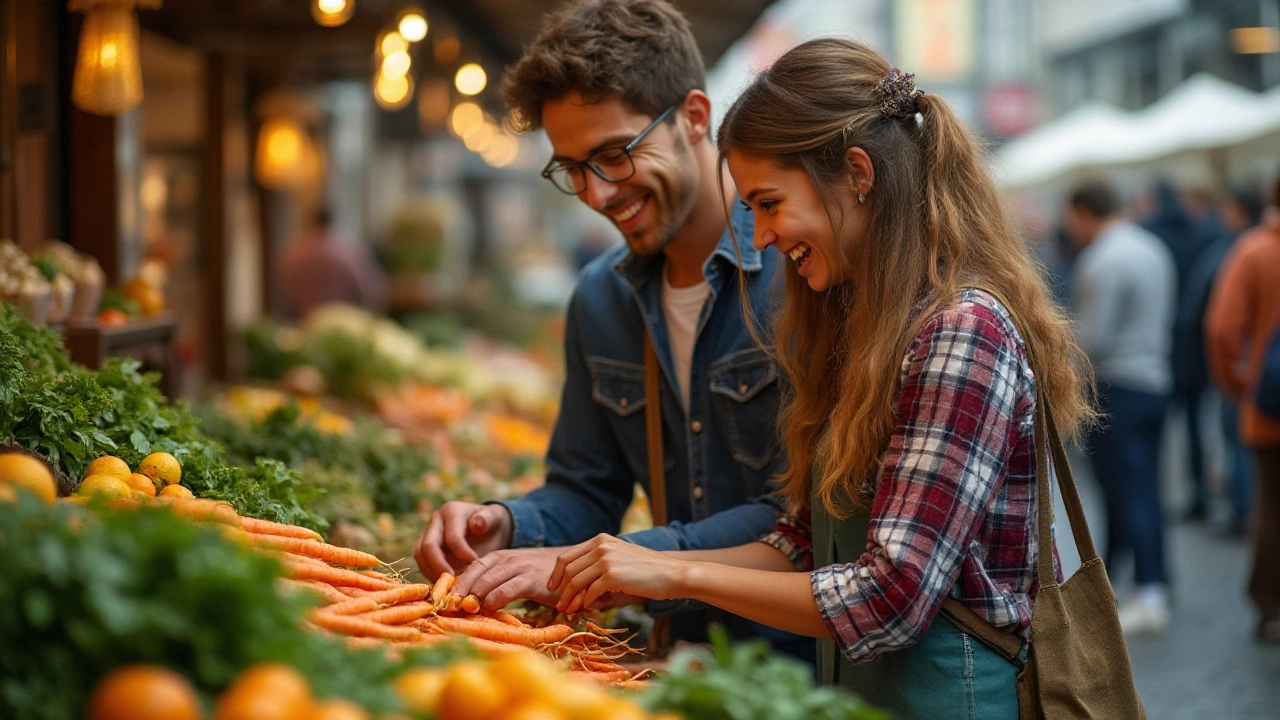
x=487, y=629
x=358, y=627
x=267, y=527
x=323, y=551
x=333, y=576
x=470, y=604
x=352, y=606
x=608, y=678
x=441, y=589
x=505, y=617
x=324, y=590
x=401, y=594
x=353, y=592
x=399, y=614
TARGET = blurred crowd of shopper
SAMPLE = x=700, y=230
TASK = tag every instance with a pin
x=1176, y=298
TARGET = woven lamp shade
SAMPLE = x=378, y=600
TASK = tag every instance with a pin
x=108, y=77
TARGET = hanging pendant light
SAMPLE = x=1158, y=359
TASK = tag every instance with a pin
x=332, y=13
x=108, y=75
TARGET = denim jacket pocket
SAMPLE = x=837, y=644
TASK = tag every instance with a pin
x=618, y=387
x=745, y=388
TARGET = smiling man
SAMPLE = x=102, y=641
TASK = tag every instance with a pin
x=618, y=86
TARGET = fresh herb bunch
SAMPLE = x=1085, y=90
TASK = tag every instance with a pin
x=746, y=682
x=71, y=415
x=88, y=590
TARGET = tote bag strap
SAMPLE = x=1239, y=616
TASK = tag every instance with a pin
x=660, y=635
x=1051, y=456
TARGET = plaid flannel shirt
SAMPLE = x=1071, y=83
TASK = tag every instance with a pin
x=953, y=511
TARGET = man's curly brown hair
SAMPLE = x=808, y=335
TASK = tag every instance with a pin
x=641, y=51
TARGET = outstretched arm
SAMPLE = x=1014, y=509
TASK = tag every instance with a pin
x=778, y=596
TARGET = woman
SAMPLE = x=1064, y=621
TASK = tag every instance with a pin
x=909, y=423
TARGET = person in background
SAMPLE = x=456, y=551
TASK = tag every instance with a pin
x=321, y=266
x=1241, y=210
x=1186, y=236
x=618, y=86
x=1243, y=317
x=1123, y=291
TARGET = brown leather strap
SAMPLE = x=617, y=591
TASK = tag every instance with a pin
x=1007, y=645
x=653, y=434
x=660, y=635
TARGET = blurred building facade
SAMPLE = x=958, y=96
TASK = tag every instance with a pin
x=1133, y=52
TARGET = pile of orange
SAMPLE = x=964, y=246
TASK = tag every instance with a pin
x=20, y=471
x=158, y=475
x=269, y=691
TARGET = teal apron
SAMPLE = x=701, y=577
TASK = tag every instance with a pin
x=947, y=675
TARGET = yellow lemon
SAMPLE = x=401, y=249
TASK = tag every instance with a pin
x=525, y=675
x=142, y=484
x=109, y=465
x=108, y=485
x=23, y=471
x=162, y=468
x=175, y=491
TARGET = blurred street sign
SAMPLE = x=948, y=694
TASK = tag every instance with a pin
x=1010, y=108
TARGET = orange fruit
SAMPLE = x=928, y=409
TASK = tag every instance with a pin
x=579, y=700
x=18, y=470
x=149, y=298
x=470, y=693
x=109, y=485
x=537, y=710
x=162, y=468
x=142, y=483
x=112, y=317
x=525, y=674
x=268, y=691
x=338, y=709
x=109, y=465
x=175, y=491
x=419, y=689
x=144, y=692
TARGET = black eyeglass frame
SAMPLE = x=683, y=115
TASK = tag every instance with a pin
x=554, y=166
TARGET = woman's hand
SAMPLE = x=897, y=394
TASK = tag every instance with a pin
x=606, y=565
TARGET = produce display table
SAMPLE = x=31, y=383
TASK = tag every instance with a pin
x=153, y=341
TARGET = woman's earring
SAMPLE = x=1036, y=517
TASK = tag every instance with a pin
x=861, y=198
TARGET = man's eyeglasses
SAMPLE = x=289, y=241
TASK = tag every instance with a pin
x=612, y=164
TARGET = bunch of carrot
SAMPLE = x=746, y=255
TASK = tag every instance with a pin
x=377, y=609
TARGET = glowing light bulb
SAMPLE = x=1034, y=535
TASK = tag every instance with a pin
x=470, y=79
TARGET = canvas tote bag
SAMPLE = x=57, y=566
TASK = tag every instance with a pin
x=1077, y=664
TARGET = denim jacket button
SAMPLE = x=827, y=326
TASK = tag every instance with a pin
x=697, y=492
x=695, y=426
x=622, y=402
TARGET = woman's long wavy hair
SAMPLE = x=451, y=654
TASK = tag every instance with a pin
x=937, y=224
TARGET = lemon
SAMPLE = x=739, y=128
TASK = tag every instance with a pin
x=162, y=468
x=108, y=485
x=419, y=689
x=175, y=491
x=109, y=465
x=23, y=471
x=141, y=483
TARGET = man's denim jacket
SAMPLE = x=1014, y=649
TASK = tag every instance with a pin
x=720, y=453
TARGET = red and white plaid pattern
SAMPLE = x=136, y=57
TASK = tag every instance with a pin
x=954, y=510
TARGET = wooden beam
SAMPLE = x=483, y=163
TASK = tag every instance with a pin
x=215, y=215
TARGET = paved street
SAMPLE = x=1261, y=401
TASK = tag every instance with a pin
x=1208, y=667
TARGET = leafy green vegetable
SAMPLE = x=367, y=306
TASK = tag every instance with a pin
x=86, y=591
x=72, y=415
x=746, y=682
x=387, y=470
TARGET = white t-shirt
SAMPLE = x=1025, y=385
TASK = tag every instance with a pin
x=683, y=308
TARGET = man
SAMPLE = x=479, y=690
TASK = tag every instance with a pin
x=1123, y=291
x=321, y=267
x=618, y=87
x=1243, y=317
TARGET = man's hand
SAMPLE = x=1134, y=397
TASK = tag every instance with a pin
x=460, y=533
x=500, y=577
x=505, y=575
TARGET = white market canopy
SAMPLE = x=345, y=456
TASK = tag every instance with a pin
x=1203, y=113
